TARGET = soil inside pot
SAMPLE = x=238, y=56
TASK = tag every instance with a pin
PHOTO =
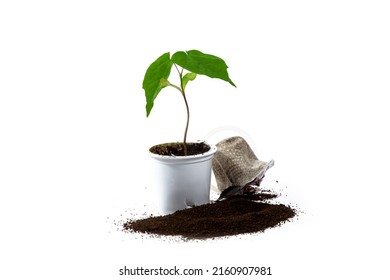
x=177, y=149
x=235, y=215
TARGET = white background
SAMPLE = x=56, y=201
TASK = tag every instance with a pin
x=312, y=85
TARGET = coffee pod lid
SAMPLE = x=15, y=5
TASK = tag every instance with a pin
x=235, y=164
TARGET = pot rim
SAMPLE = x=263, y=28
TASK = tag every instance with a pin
x=191, y=158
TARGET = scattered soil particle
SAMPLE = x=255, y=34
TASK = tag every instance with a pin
x=232, y=216
x=177, y=149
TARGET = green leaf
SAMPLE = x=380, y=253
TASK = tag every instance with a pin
x=164, y=83
x=188, y=77
x=204, y=64
x=159, y=69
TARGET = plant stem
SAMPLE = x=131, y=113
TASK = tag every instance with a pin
x=187, y=107
x=187, y=124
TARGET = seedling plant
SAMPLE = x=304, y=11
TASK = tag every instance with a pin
x=188, y=64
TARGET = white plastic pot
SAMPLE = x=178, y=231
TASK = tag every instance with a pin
x=182, y=181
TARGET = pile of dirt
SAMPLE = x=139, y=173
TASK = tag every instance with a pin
x=232, y=216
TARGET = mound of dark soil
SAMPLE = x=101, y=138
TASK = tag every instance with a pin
x=235, y=215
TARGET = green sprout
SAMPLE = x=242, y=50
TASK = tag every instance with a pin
x=195, y=62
